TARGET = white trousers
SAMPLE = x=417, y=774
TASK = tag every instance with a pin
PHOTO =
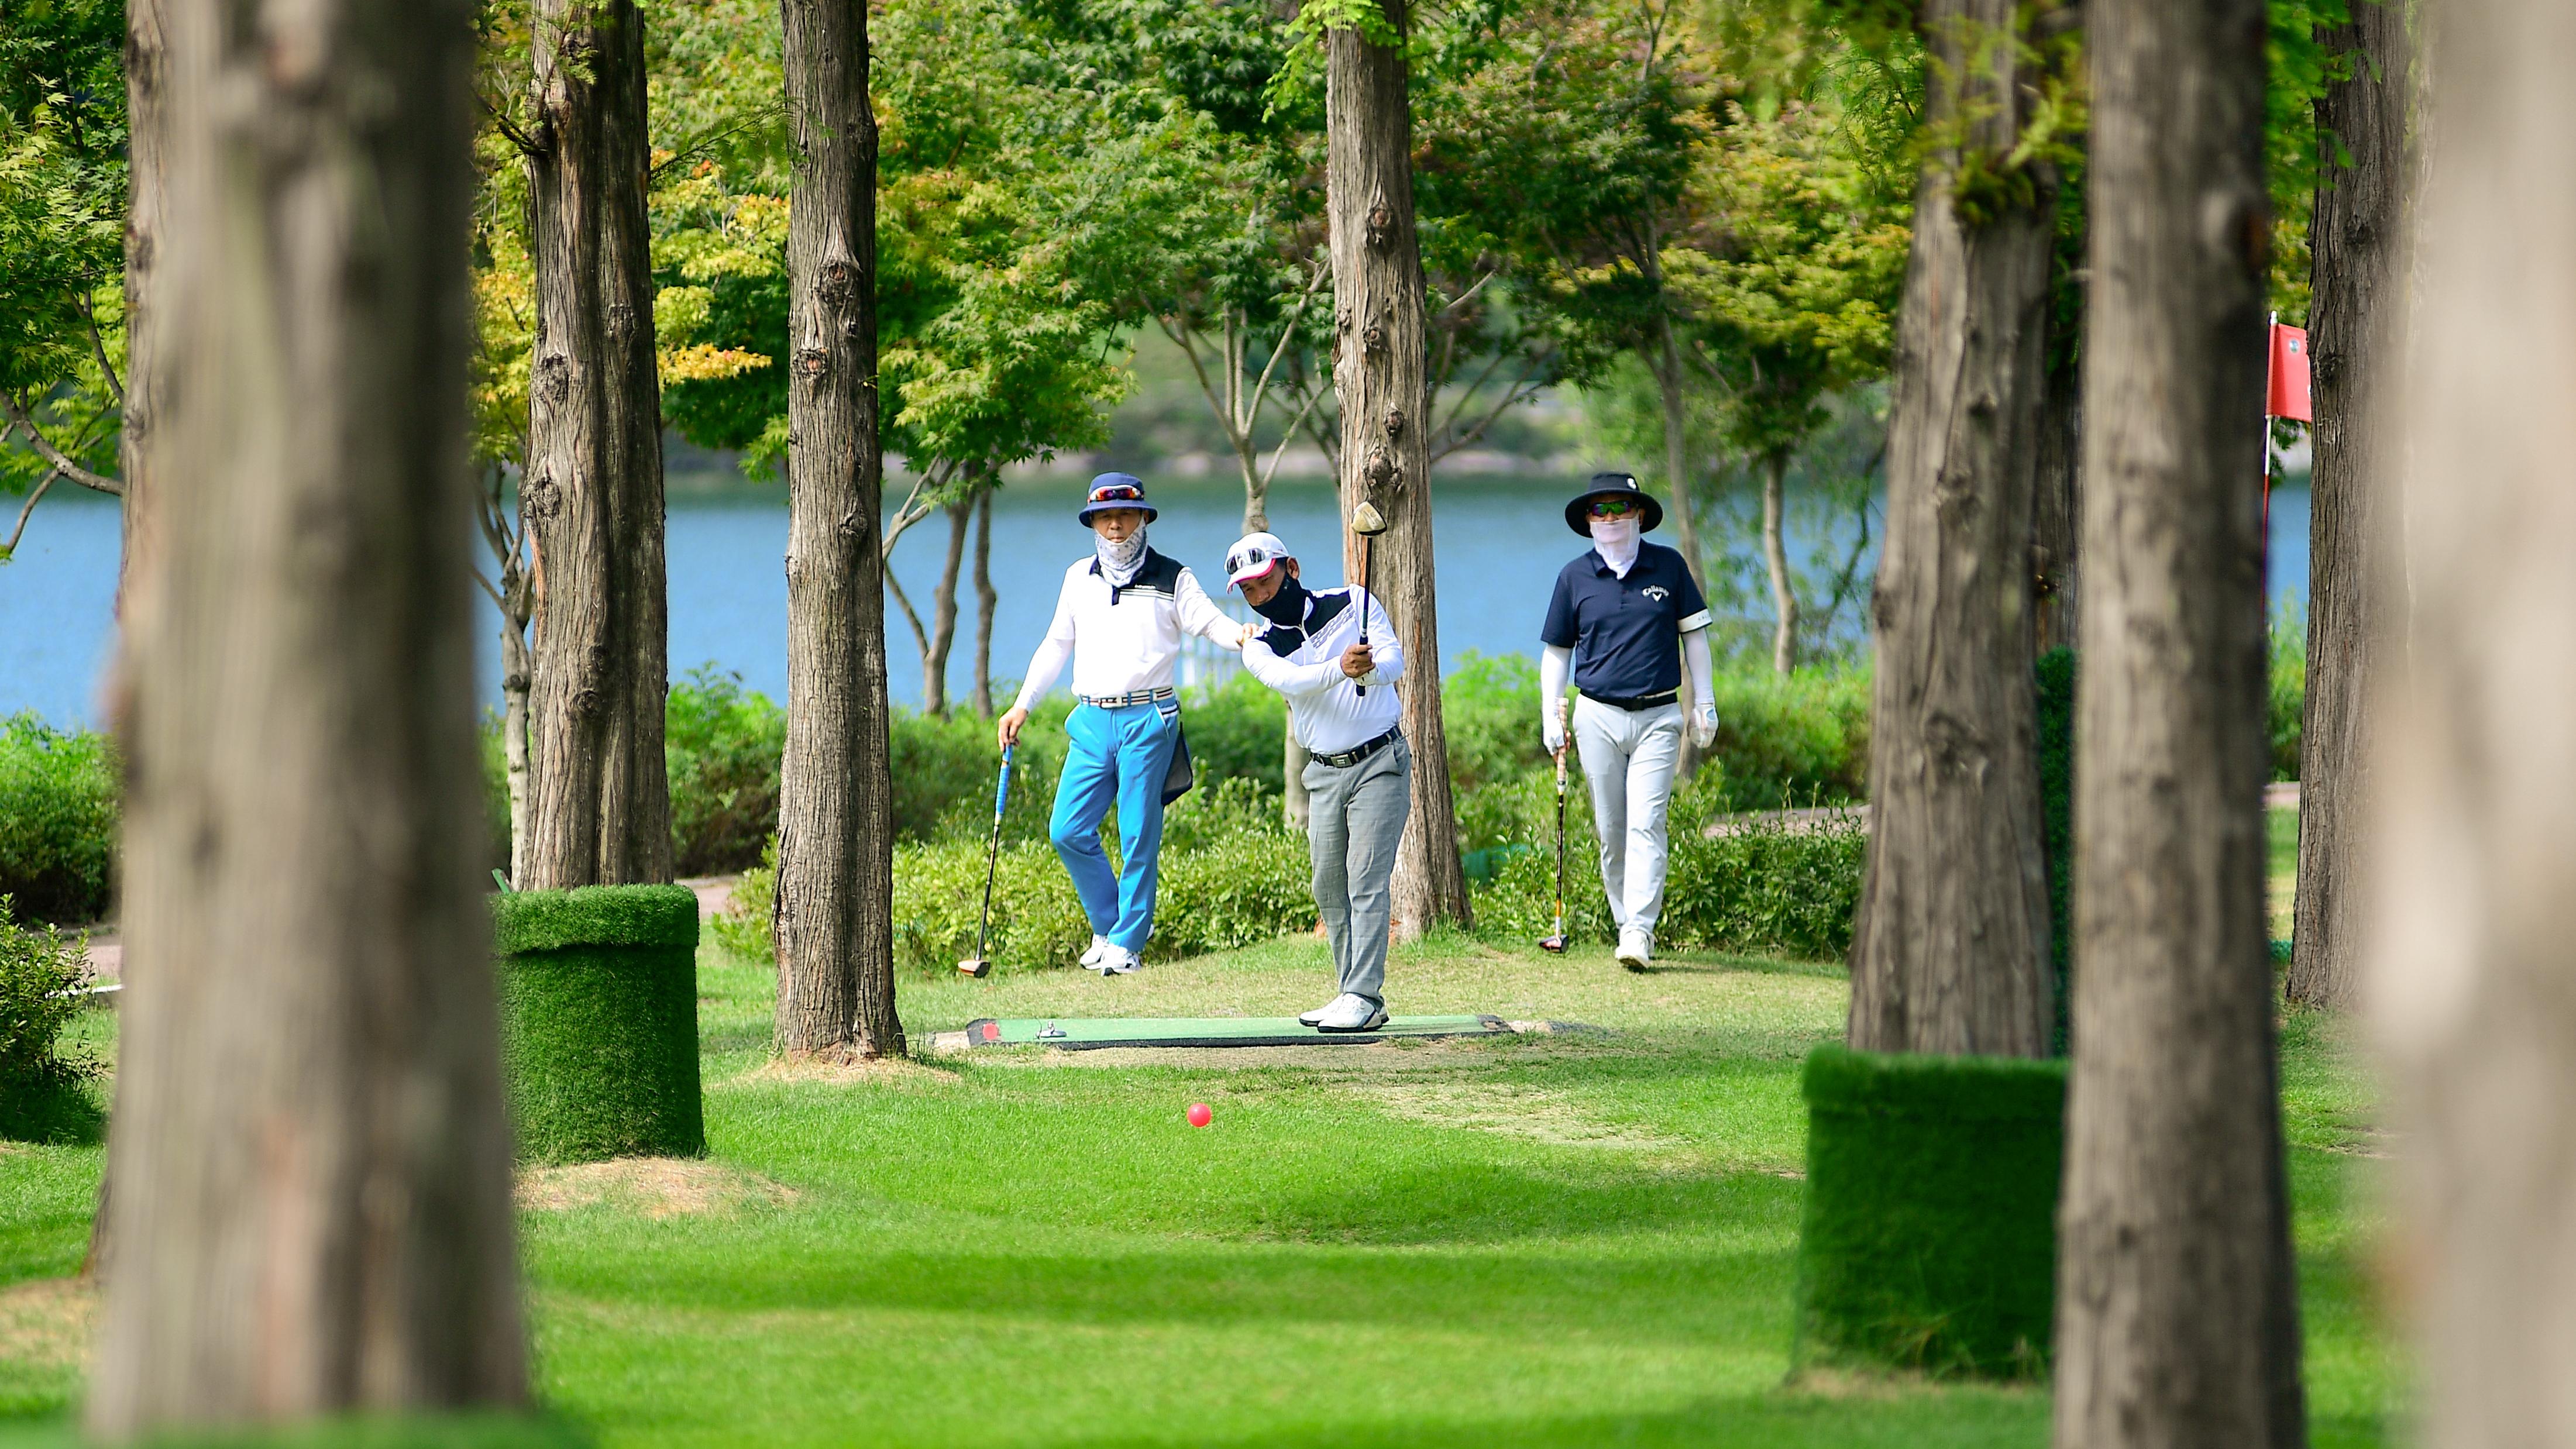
x=1628, y=760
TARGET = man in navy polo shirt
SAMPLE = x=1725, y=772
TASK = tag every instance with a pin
x=1624, y=618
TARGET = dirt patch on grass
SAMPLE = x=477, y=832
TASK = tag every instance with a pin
x=47, y=1325
x=654, y=1187
x=1508, y=1109
x=1354, y=1058
x=884, y=1071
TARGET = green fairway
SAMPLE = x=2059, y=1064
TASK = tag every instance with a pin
x=1574, y=1239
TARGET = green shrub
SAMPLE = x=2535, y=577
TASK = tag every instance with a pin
x=1763, y=883
x=1794, y=739
x=1238, y=731
x=58, y=821
x=721, y=745
x=599, y=1021
x=2285, y=705
x=2056, y=696
x=1489, y=710
x=1929, y=1236
x=41, y=1094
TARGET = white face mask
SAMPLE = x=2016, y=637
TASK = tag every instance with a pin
x=1119, y=561
x=1615, y=539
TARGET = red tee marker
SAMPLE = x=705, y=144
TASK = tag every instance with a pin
x=1200, y=1116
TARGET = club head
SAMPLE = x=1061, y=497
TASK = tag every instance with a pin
x=1553, y=945
x=977, y=966
x=1367, y=521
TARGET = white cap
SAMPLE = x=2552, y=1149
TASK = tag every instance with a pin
x=1253, y=555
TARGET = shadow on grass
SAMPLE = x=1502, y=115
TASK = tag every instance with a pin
x=54, y=1112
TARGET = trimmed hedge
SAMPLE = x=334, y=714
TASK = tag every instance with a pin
x=1929, y=1239
x=58, y=821
x=2057, y=673
x=599, y=1021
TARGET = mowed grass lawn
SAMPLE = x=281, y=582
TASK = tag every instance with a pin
x=1564, y=1240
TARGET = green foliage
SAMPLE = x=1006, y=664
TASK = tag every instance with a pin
x=58, y=820
x=723, y=747
x=1930, y=1233
x=599, y=1025
x=1489, y=708
x=1793, y=739
x=42, y=1094
x=1238, y=730
x=2056, y=699
x=2286, y=697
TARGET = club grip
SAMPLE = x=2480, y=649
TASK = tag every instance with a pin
x=1002, y=792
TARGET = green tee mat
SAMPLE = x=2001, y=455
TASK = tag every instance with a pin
x=1930, y=1237
x=1084, y=1034
x=599, y=1021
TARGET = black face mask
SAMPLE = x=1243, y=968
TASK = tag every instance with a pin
x=1286, y=608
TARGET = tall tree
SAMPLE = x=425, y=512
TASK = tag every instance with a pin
x=598, y=801
x=1379, y=359
x=2475, y=926
x=2355, y=237
x=834, y=912
x=313, y=1213
x=1950, y=947
x=2177, y=1318
x=147, y=149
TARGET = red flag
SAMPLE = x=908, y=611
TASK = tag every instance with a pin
x=2286, y=396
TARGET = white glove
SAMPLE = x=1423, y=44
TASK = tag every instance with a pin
x=1551, y=729
x=1703, y=726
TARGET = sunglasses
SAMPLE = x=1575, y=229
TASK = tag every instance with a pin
x=1236, y=563
x=1117, y=493
x=1613, y=507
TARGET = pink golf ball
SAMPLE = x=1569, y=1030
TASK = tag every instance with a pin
x=1200, y=1116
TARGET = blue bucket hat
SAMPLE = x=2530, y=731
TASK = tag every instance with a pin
x=1115, y=490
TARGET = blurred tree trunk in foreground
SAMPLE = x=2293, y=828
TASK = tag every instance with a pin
x=2177, y=1315
x=599, y=809
x=834, y=911
x=1385, y=456
x=1950, y=948
x=2356, y=237
x=312, y=1214
x=2474, y=850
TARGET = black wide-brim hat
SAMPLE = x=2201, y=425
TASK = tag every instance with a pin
x=1613, y=485
x=1116, y=490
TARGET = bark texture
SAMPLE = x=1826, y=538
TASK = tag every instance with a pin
x=1950, y=946
x=599, y=802
x=2177, y=1321
x=2474, y=939
x=147, y=67
x=2056, y=551
x=1775, y=561
x=986, y=600
x=1379, y=370
x=943, y=611
x=312, y=1214
x=834, y=916
x=2355, y=237
x=1669, y=388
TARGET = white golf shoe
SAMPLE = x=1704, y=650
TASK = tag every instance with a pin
x=1352, y=1012
x=1309, y=1018
x=1635, y=949
x=1116, y=960
x=1091, y=958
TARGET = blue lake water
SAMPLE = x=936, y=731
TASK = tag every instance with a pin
x=1498, y=546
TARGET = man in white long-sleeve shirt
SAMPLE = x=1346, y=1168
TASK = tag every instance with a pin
x=1336, y=658
x=1626, y=619
x=1119, y=620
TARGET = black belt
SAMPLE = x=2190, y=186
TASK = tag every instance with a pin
x=1348, y=758
x=1650, y=701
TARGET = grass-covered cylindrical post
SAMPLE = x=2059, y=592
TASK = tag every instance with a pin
x=599, y=1021
x=1930, y=1235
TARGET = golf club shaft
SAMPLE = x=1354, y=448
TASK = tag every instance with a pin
x=1368, y=547
x=1560, y=842
x=993, y=854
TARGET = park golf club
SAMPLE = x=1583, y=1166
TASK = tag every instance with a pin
x=980, y=964
x=1555, y=944
x=1368, y=523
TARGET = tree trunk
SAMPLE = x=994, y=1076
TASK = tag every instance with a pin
x=514, y=739
x=599, y=806
x=834, y=914
x=985, y=601
x=147, y=66
x=2177, y=1315
x=311, y=1154
x=943, y=612
x=2474, y=931
x=1775, y=555
x=2354, y=237
x=1385, y=457
x=1950, y=947
x=2056, y=555
x=1668, y=382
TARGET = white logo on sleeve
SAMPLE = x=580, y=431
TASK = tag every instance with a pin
x=1657, y=592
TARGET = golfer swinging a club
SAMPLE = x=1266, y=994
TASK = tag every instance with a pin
x=1335, y=656
x=1624, y=617
x=1120, y=620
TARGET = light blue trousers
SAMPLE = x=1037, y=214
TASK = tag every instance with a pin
x=1119, y=756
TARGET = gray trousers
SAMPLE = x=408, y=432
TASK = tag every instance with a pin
x=1354, y=818
x=1628, y=760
